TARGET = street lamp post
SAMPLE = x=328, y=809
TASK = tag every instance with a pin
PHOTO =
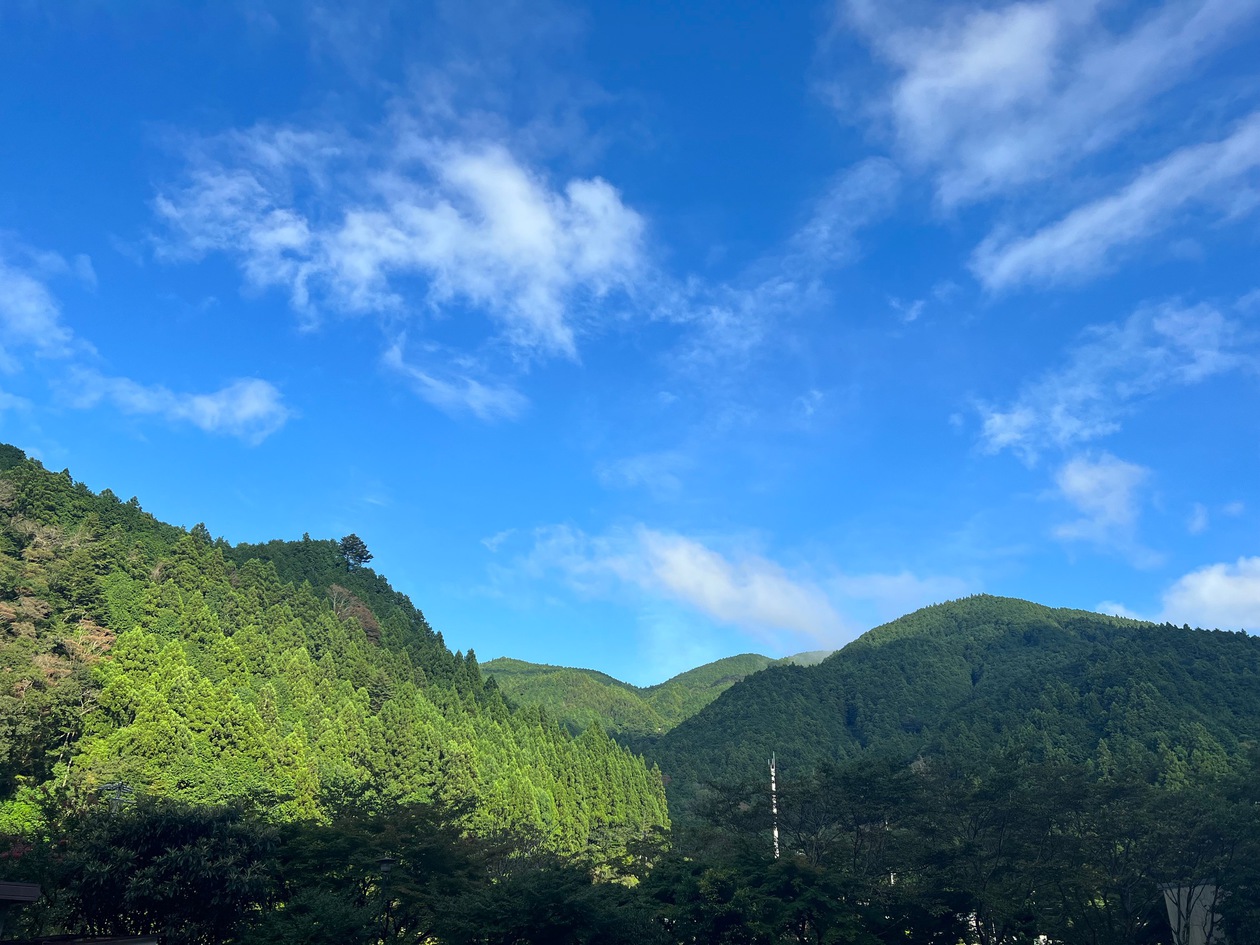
x=386, y=863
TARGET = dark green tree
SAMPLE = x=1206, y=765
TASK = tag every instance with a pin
x=354, y=550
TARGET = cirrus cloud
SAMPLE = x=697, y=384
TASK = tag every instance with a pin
x=1111, y=370
x=249, y=409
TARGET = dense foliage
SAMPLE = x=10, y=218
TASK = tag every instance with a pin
x=1159, y=704
x=997, y=853
x=284, y=675
x=401, y=873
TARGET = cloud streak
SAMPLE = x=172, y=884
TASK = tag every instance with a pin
x=1114, y=368
x=455, y=393
x=746, y=590
x=994, y=100
x=31, y=319
x=248, y=409
x=1090, y=239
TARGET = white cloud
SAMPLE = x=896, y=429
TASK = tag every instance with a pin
x=350, y=225
x=1089, y=239
x=1105, y=490
x=752, y=591
x=743, y=590
x=1114, y=368
x=1218, y=595
x=30, y=315
x=1234, y=509
x=456, y=393
x=30, y=318
x=249, y=409
x=1116, y=610
x=990, y=100
x=733, y=586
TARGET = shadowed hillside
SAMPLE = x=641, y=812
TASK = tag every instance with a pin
x=987, y=674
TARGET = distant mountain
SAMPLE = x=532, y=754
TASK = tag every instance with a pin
x=982, y=675
x=809, y=658
x=581, y=697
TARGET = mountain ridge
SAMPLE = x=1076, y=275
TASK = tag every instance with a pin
x=581, y=697
x=284, y=675
x=988, y=673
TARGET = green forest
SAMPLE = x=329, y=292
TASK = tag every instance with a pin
x=581, y=698
x=219, y=743
x=1159, y=704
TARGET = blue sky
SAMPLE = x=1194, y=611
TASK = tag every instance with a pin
x=631, y=336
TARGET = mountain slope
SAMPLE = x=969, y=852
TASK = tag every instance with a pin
x=988, y=674
x=280, y=675
x=581, y=698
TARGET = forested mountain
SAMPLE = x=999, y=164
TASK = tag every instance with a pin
x=988, y=675
x=583, y=697
x=286, y=676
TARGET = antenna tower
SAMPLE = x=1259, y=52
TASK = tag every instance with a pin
x=774, y=805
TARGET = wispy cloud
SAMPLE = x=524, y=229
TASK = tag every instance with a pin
x=30, y=315
x=743, y=590
x=737, y=323
x=1218, y=174
x=659, y=472
x=1117, y=610
x=891, y=595
x=352, y=225
x=31, y=319
x=494, y=542
x=724, y=581
x=249, y=409
x=1199, y=519
x=1106, y=491
x=456, y=393
x=12, y=402
x=1113, y=369
x=991, y=100
x=856, y=197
